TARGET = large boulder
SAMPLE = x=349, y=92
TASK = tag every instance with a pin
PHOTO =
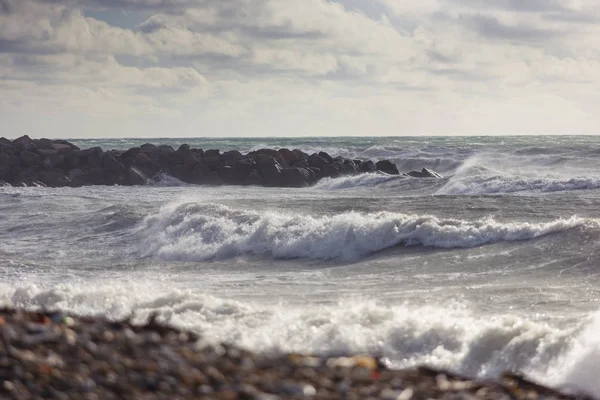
x=54, y=178
x=271, y=173
x=424, y=173
x=30, y=159
x=367, y=166
x=24, y=143
x=254, y=179
x=289, y=156
x=269, y=152
x=317, y=161
x=296, y=177
x=25, y=177
x=388, y=167
x=43, y=143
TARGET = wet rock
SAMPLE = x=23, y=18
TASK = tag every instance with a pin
x=30, y=159
x=296, y=177
x=43, y=143
x=424, y=173
x=367, y=166
x=387, y=166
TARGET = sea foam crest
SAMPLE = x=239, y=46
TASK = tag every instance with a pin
x=198, y=232
x=450, y=336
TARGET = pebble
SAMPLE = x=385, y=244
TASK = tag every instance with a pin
x=51, y=355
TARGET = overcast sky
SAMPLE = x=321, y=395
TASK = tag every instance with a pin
x=107, y=68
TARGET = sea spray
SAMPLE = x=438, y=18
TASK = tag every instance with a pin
x=198, y=232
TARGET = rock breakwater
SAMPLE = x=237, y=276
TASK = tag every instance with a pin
x=56, y=163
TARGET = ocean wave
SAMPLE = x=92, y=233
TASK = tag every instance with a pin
x=477, y=185
x=197, y=232
x=451, y=336
x=368, y=180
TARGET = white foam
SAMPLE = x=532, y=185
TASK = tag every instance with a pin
x=368, y=180
x=450, y=337
x=196, y=232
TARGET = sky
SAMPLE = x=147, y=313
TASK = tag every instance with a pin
x=192, y=68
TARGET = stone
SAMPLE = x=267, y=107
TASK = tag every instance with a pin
x=30, y=159
x=135, y=177
x=110, y=163
x=60, y=142
x=4, y=159
x=367, y=166
x=54, y=178
x=272, y=153
x=254, y=179
x=212, y=153
x=43, y=143
x=326, y=156
x=387, y=166
x=296, y=177
x=148, y=148
x=23, y=142
x=271, y=174
x=317, y=161
x=25, y=177
x=425, y=173
x=289, y=156
x=95, y=157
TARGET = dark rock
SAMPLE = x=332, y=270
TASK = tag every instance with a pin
x=184, y=148
x=46, y=152
x=202, y=174
x=5, y=173
x=135, y=177
x=254, y=179
x=301, y=164
x=146, y=165
x=165, y=149
x=213, y=162
x=296, y=177
x=271, y=173
x=131, y=153
x=212, y=153
x=54, y=178
x=59, y=143
x=5, y=142
x=14, y=160
x=424, y=173
x=331, y=170
x=43, y=143
x=8, y=149
x=367, y=166
x=289, y=156
x=387, y=166
x=181, y=172
x=317, y=161
x=269, y=152
x=148, y=148
x=111, y=165
x=23, y=143
x=300, y=155
x=230, y=157
x=30, y=159
x=189, y=158
x=326, y=156
x=4, y=160
x=95, y=158
x=348, y=167
x=25, y=177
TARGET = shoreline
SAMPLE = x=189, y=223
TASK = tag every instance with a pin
x=56, y=355
x=59, y=163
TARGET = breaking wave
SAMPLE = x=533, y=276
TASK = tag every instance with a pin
x=198, y=232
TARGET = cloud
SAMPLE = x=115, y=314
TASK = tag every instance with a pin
x=302, y=66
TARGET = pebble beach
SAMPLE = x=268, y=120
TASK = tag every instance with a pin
x=57, y=356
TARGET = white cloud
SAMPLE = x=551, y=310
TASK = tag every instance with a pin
x=254, y=67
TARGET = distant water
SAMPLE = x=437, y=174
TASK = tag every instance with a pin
x=494, y=267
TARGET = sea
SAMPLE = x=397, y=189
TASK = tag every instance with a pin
x=494, y=267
